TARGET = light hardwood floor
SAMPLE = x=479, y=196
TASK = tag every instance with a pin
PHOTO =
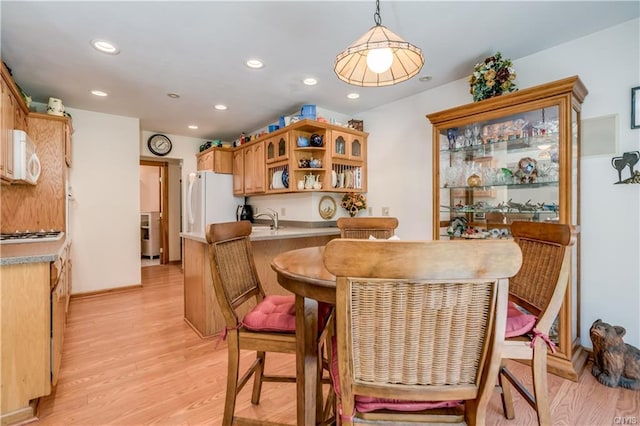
x=130, y=359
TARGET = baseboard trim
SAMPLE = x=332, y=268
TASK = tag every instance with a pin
x=105, y=292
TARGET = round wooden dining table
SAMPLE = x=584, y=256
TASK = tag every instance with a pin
x=303, y=273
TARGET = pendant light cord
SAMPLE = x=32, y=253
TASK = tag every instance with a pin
x=376, y=16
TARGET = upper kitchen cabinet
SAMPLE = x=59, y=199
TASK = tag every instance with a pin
x=277, y=148
x=254, y=168
x=13, y=116
x=22, y=205
x=238, y=171
x=303, y=157
x=219, y=160
x=514, y=157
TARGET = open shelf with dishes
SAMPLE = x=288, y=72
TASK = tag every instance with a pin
x=514, y=157
x=301, y=158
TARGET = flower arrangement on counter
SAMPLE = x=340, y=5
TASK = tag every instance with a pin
x=492, y=77
x=353, y=202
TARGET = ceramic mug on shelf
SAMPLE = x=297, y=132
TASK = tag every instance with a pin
x=55, y=107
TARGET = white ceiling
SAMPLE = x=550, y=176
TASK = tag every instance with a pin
x=197, y=49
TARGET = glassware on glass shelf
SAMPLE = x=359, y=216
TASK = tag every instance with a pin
x=475, y=130
x=451, y=137
x=467, y=137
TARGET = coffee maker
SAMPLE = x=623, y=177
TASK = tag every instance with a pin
x=244, y=212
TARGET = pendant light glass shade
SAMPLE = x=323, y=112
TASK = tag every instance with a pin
x=351, y=64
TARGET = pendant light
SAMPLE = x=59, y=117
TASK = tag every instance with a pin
x=378, y=58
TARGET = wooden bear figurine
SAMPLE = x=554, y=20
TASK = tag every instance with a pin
x=615, y=363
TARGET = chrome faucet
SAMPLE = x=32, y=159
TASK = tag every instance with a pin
x=273, y=216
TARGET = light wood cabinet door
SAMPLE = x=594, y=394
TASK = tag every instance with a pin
x=25, y=339
x=238, y=171
x=347, y=146
x=205, y=161
x=219, y=160
x=254, y=168
x=58, y=306
x=68, y=130
x=277, y=148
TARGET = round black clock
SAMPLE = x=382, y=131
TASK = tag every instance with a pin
x=159, y=144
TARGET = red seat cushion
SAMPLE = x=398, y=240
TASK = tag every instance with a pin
x=518, y=323
x=365, y=404
x=274, y=313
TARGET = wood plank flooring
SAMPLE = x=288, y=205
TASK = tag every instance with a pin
x=130, y=359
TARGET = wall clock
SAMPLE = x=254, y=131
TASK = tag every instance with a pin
x=159, y=144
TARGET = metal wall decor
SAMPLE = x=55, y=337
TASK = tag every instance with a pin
x=628, y=159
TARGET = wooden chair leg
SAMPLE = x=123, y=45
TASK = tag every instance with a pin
x=233, y=365
x=505, y=394
x=257, y=378
x=540, y=386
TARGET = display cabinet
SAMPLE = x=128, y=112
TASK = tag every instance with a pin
x=304, y=156
x=514, y=157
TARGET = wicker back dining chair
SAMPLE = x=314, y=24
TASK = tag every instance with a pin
x=420, y=327
x=364, y=227
x=539, y=289
x=269, y=322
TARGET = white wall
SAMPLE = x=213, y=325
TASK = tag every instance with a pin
x=105, y=221
x=608, y=63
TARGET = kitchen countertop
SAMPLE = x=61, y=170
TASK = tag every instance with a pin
x=262, y=233
x=17, y=253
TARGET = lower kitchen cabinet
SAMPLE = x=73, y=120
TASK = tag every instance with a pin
x=34, y=300
x=26, y=339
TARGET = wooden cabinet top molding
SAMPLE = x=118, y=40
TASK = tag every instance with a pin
x=6, y=75
x=570, y=85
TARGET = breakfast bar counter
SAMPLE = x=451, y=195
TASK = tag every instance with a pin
x=201, y=310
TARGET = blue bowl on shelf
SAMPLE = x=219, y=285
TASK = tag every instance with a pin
x=303, y=141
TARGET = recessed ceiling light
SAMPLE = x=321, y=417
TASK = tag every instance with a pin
x=310, y=81
x=193, y=126
x=220, y=107
x=105, y=46
x=353, y=96
x=425, y=78
x=254, y=63
x=99, y=93
x=173, y=95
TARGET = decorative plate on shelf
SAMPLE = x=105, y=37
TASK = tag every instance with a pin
x=285, y=178
x=327, y=207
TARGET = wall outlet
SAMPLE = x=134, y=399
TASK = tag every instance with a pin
x=370, y=210
x=283, y=211
x=385, y=211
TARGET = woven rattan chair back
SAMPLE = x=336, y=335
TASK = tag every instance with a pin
x=237, y=288
x=420, y=321
x=539, y=287
x=364, y=227
x=233, y=270
x=543, y=246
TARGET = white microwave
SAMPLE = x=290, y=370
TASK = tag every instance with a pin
x=26, y=165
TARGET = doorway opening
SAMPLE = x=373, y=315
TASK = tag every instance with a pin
x=153, y=213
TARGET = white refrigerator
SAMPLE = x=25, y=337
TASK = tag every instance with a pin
x=210, y=199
